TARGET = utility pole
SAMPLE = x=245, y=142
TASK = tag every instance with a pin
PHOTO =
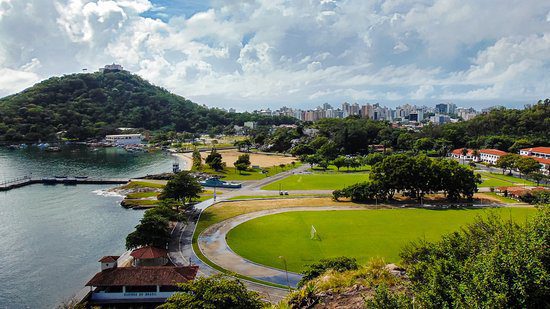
x=286, y=272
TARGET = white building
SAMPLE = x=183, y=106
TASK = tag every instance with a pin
x=251, y=124
x=490, y=156
x=124, y=139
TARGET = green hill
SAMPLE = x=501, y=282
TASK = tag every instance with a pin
x=92, y=105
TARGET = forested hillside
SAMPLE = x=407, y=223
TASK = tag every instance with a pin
x=91, y=105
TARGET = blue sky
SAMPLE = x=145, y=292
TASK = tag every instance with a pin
x=252, y=54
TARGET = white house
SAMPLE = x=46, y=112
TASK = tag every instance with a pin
x=490, y=155
x=124, y=139
x=457, y=154
x=539, y=152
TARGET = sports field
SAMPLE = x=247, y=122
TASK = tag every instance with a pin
x=317, y=181
x=362, y=234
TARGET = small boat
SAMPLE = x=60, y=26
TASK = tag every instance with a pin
x=216, y=182
x=60, y=177
x=53, y=149
x=81, y=177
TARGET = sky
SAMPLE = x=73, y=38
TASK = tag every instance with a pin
x=299, y=53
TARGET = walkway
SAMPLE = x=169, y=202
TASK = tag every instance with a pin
x=212, y=243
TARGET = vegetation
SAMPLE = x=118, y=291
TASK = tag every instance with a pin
x=415, y=176
x=84, y=106
x=339, y=264
x=317, y=181
x=197, y=160
x=359, y=234
x=182, y=187
x=242, y=163
x=214, y=160
x=153, y=229
x=213, y=292
x=491, y=263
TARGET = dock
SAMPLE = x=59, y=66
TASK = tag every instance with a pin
x=27, y=181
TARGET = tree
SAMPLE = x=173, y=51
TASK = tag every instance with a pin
x=151, y=231
x=197, y=160
x=526, y=165
x=538, y=177
x=507, y=162
x=339, y=162
x=464, y=152
x=215, y=161
x=213, y=292
x=242, y=163
x=323, y=164
x=475, y=154
x=183, y=187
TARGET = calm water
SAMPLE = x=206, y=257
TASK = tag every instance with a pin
x=52, y=236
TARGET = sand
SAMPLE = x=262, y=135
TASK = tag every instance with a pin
x=230, y=156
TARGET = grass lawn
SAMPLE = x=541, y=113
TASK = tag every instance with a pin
x=501, y=198
x=144, y=184
x=499, y=180
x=141, y=195
x=332, y=168
x=362, y=234
x=248, y=197
x=229, y=173
x=317, y=181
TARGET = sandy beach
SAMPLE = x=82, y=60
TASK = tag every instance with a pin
x=230, y=156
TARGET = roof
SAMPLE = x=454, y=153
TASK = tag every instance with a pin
x=458, y=151
x=493, y=152
x=149, y=252
x=144, y=275
x=520, y=190
x=540, y=160
x=538, y=149
x=109, y=259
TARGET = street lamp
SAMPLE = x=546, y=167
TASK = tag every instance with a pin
x=286, y=272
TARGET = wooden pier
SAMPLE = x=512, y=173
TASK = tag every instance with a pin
x=26, y=181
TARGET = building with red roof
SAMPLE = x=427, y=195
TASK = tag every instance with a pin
x=490, y=156
x=458, y=154
x=150, y=256
x=541, y=155
x=138, y=285
x=539, y=152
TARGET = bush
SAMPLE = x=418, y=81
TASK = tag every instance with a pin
x=489, y=264
x=339, y=264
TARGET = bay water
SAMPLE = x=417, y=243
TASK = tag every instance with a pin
x=51, y=237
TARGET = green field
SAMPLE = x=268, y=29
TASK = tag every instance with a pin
x=499, y=180
x=230, y=173
x=362, y=234
x=317, y=181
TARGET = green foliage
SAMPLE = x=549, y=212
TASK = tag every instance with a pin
x=508, y=161
x=92, y=105
x=165, y=209
x=243, y=162
x=197, y=160
x=537, y=198
x=491, y=263
x=214, y=160
x=384, y=298
x=339, y=162
x=212, y=293
x=527, y=165
x=339, y=264
x=182, y=187
x=151, y=231
x=416, y=176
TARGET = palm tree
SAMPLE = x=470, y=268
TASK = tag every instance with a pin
x=464, y=153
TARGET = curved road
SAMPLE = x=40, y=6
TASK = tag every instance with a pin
x=212, y=243
x=181, y=250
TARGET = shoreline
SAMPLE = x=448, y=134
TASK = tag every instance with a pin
x=186, y=158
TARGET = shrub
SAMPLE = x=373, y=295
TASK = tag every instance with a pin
x=339, y=264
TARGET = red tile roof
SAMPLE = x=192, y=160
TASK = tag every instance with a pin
x=458, y=151
x=145, y=275
x=540, y=160
x=538, y=149
x=149, y=252
x=493, y=152
x=109, y=259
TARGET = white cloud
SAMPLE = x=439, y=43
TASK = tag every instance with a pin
x=248, y=53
